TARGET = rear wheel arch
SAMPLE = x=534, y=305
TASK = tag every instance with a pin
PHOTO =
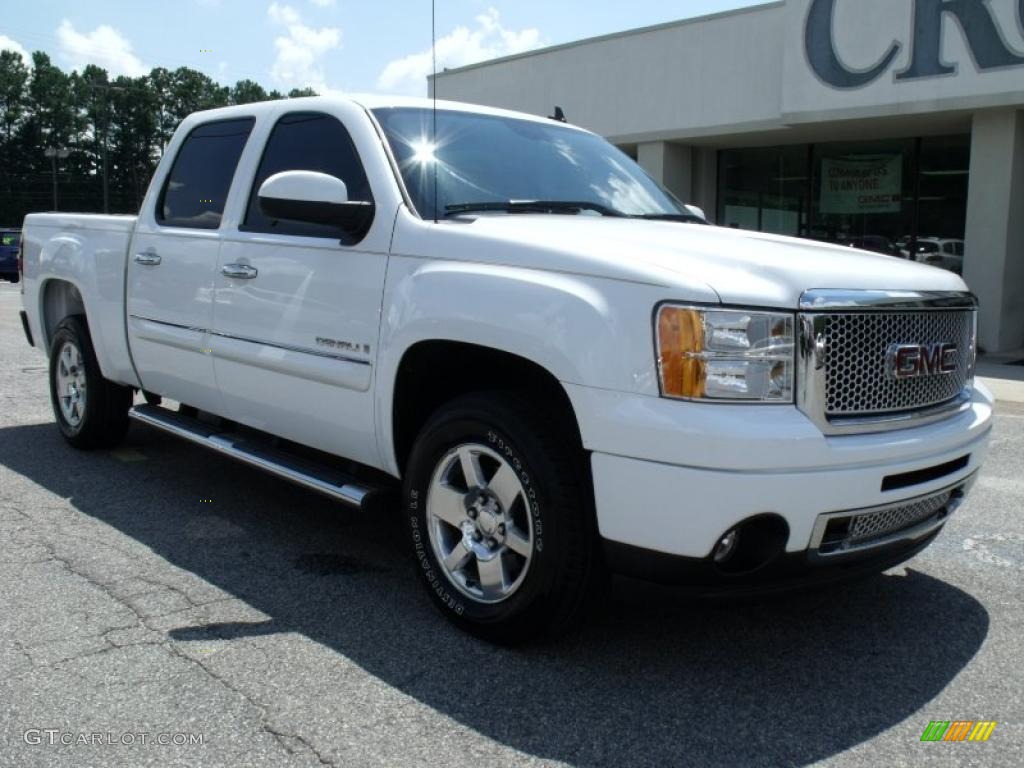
x=59, y=299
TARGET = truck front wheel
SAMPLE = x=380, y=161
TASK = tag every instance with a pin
x=90, y=411
x=500, y=515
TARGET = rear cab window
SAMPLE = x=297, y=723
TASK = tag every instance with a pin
x=196, y=189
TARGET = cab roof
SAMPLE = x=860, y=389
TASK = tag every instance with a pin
x=371, y=102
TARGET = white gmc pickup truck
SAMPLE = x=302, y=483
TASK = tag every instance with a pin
x=567, y=372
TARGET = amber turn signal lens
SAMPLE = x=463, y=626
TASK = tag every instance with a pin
x=680, y=342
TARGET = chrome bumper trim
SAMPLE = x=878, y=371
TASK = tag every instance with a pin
x=957, y=492
x=902, y=419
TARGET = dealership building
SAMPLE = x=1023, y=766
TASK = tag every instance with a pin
x=895, y=125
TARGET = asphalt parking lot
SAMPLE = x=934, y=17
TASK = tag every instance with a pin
x=159, y=591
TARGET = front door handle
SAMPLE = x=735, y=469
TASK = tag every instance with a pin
x=239, y=271
x=148, y=258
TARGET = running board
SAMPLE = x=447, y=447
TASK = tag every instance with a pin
x=318, y=477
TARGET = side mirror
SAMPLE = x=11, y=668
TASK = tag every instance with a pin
x=315, y=198
x=698, y=212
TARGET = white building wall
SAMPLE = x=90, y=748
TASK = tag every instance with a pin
x=674, y=91
x=864, y=32
x=994, y=257
x=692, y=78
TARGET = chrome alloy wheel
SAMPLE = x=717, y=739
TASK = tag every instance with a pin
x=479, y=523
x=71, y=383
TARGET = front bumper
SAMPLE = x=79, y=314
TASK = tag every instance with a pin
x=703, y=469
x=790, y=571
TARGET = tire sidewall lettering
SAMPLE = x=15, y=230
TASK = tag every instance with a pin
x=437, y=581
x=502, y=447
x=434, y=581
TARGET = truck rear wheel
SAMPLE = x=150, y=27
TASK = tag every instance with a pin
x=500, y=515
x=90, y=411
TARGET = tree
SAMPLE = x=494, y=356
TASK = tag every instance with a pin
x=13, y=83
x=246, y=92
x=133, y=139
x=118, y=124
x=13, y=110
x=161, y=82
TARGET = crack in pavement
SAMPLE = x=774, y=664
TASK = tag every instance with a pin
x=292, y=743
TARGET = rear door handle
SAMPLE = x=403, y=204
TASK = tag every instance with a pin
x=239, y=271
x=148, y=258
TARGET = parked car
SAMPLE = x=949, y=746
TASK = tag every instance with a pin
x=558, y=369
x=947, y=253
x=10, y=239
x=875, y=243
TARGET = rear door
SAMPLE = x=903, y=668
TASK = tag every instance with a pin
x=298, y=305
x=172, y=263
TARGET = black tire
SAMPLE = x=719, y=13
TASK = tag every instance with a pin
x=551, y=468
x=103, y=421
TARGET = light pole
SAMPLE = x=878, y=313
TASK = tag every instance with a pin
x=53, y=153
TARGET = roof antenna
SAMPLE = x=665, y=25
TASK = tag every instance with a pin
x=433, y=82
x=559, y=115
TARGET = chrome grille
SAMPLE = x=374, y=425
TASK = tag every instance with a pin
x=855, y=346
x=875, y=524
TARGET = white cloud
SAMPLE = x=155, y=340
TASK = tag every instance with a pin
x=283, y=14
x=104, y=47
x=462, y=46
x=300, y=52
x=7, y=44
x=322, y=3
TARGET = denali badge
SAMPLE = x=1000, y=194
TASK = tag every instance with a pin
x=908, y=361
x=346, y=346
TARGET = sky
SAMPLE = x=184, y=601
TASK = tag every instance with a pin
x=358, y=46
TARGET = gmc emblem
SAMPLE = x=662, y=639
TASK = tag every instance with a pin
x=908, y=361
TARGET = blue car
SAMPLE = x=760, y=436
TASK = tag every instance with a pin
x=9, y=241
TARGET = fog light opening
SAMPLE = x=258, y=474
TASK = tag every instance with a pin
x=751, y=545
x=726, y=546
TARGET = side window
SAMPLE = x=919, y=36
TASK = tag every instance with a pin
x=197, y=186
x=307, y=141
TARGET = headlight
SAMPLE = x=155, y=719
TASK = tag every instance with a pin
x=725, y=354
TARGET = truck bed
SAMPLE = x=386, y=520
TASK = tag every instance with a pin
x=80, y=257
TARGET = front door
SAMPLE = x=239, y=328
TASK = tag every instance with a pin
x=172, y=262
x=298, y=305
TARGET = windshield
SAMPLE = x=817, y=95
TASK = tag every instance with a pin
x=483, y=159
x=9, y=239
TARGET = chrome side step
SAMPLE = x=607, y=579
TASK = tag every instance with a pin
x=325, y=479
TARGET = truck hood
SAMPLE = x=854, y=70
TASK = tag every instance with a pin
x=742, y=267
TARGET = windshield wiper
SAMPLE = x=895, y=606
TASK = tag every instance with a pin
x=531, y=206
x=684, y=217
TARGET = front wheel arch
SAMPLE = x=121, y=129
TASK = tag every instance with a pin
x=421, y=387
